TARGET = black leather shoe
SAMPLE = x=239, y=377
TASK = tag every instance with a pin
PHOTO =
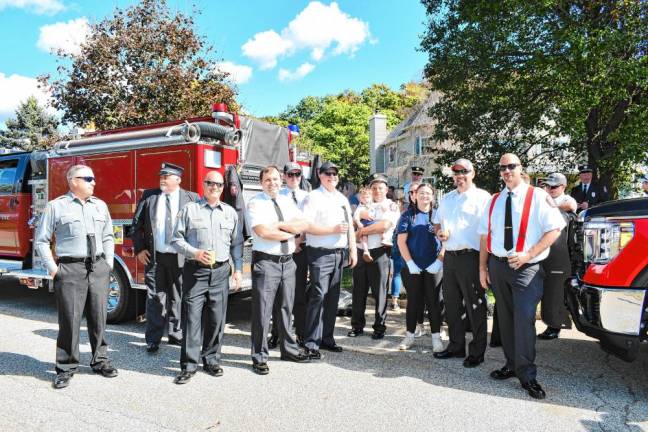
x=300, y=341
x=152, y=347
x=446, y=354
x=333, y=348
x=377, y=335
x=471, y=362
x=533, y=388
x=314, y=354
x=355, y=333
x=106, y=370
x=300, y=357
x=502, y=374
x=62, y=380
x=549, y=333
x=213, y=370
x=261, y=368
x=175, y=341
x=184, y=377
x=273, y=342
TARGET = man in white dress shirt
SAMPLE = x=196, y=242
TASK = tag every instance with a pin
x=330, y=246
x=517, y=229
x=456, y=222
x=275, y=220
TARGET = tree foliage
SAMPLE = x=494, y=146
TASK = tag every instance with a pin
x=142, y=65
x=31, y=129
x=337, y=126
x=571, y=76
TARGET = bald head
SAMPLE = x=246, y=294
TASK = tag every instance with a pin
x=213, y=187
x=508, y=158
x=510, y=169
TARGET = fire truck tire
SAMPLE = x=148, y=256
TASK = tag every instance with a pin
x=121, y=304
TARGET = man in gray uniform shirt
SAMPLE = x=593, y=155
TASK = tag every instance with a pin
x=275, y=219
x=85, y=248
x=207, y=233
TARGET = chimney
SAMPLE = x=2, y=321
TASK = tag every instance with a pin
x=377, y=135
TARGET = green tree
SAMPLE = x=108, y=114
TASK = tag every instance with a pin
x=31, y=129
x=142, y=65
x=568, y=75
x=337, y=126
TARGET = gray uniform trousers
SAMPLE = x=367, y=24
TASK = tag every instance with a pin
x=204, y=306
x=300, y=303
x=77, y=291
x=372, y=275
x=325, y=267
x=517, y=293
x=163, y=279
x=273, y=293
x=461, y=286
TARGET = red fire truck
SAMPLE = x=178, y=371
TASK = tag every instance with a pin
x=609, y=300
x=125, y=162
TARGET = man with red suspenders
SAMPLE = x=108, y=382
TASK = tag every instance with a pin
x=520, y=224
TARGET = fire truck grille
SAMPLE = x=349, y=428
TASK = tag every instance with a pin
x=591, y=303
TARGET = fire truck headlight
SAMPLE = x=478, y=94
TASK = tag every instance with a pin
x=603, y=240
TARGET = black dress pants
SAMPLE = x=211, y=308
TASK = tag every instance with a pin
x=204, y=307
x=462, y=291
x=77, y=291
x=163, y=297
x=372, y=276
x=301, y=285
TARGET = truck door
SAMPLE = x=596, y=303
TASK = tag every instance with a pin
x=12, y=169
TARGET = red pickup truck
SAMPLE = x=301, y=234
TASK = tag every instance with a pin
x=609, y=299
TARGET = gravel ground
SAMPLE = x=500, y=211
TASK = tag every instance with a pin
x=371, y=386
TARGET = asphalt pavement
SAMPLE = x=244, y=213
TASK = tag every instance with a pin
x=371, y=386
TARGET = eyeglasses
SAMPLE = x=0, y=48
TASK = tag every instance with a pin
x=293, y=174
x=213, y=183
x=460, y=172
x=509, y=167
x=88, y=179
x=330, y=173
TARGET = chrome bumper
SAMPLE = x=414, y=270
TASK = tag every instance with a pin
x=621, y=310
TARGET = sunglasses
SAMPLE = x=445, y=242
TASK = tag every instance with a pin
x=293, y=174
x=417, y=174
x=460, y=172
x=213, y=183
x=509, y=167
x=88, y=179
x=546, y=186
x=330, y=173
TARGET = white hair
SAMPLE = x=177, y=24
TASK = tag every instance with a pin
x=74, y=169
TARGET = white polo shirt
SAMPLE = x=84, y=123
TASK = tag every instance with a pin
x=544, y=216
x=386, y=210
x=160, y=218
x=298, y=194
x=326, y=209
x=461, y=213
x=261, y=211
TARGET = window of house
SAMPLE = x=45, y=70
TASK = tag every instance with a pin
x=418, y=146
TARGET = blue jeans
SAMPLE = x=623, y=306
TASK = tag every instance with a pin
x=397, y=265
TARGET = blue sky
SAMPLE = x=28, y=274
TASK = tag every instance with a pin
x=278, y=51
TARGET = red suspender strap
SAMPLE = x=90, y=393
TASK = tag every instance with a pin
x=490, y=212
x=525, y=219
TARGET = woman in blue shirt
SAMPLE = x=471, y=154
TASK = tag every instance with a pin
x=420, y=251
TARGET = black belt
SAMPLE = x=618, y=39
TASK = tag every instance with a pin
x=166, y=253
x=460, y=252
x=328, y=250
x=256, y=255
x=502, y=259
x=68, y=260
x=213, y=266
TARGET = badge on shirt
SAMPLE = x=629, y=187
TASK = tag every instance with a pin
x=593, y=194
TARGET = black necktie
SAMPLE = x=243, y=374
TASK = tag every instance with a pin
x=508, y=224
x=294, y=197
x=284, y=243
x=585, y=189
x=168, y=226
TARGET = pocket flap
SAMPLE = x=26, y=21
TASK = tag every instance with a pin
x=69, y=218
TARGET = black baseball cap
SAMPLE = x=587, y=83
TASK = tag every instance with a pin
x=292, y=166
x=327, y=166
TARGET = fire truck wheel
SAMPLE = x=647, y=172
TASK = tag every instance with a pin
x=120, y=297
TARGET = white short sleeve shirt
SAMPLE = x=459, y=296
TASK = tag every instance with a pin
x=461, y=213
x=327, y=209
x=261, y=211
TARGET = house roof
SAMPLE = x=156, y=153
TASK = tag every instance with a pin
x=418, y=116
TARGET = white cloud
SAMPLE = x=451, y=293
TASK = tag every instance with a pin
x=38, y=6
x=265, y=47
x=238, y=74
x=65, y=36
x=299, y=73
x=16, y=89
x=317, y=29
